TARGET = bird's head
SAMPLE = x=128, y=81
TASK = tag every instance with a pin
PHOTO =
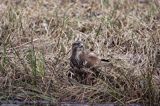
x=78, y=46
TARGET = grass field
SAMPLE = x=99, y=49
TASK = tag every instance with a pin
x=35, y=45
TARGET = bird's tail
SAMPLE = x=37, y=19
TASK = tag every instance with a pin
x=105, y=60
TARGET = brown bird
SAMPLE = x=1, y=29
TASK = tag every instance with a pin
x=81, y=58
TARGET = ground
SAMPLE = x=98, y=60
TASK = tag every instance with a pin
x=35, y=46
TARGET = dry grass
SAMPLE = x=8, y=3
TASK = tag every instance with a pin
x=35, y=42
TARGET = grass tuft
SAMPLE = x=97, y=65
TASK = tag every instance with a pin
x=35, y=43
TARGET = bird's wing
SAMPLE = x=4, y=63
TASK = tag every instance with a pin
x=90, y=59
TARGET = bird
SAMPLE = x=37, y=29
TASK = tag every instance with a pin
x=83, y=58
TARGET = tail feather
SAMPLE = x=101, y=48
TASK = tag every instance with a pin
x=105, y=60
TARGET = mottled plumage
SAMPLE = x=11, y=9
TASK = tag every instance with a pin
x=81, y=58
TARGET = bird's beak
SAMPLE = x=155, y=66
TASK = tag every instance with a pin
x=81, y=45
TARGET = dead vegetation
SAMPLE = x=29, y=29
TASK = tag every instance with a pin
x=35, y=42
